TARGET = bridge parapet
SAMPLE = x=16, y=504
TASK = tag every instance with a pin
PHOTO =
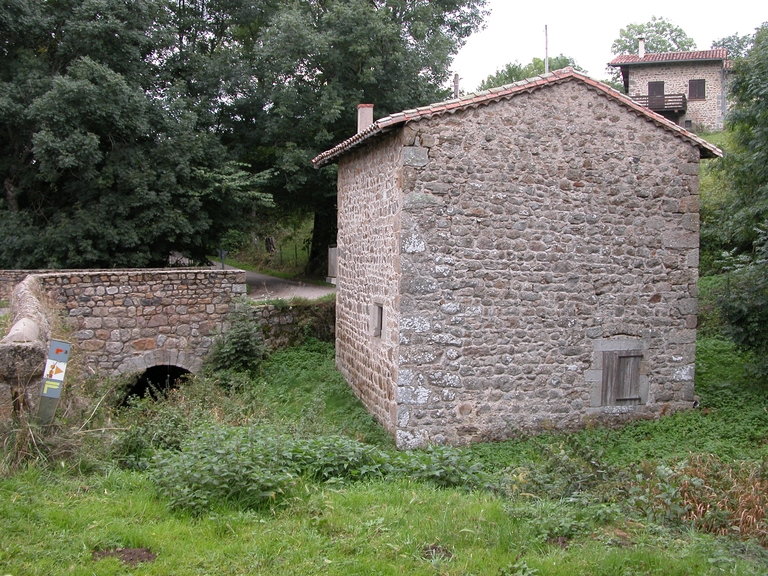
x=129, y=320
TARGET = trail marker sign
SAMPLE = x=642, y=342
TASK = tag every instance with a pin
x=53, y=380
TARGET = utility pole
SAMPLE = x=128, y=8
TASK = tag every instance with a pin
x=546, y=51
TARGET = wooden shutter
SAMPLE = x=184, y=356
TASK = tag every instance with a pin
x=697, y=89
x=655, y=88
x=621, y=377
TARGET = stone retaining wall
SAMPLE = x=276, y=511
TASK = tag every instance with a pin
x=286, y=325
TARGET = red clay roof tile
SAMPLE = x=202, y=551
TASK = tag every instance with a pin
x=508, y=91
x=660, y=57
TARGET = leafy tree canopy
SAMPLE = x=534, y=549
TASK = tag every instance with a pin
x=742, y=225
x=660, y=35
x=315, y=62
x=103, y=162
x=514, y=71
x=746, y=161
x=127, y=125
x=737, y=46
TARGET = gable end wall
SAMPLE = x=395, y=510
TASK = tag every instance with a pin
x=538, y=233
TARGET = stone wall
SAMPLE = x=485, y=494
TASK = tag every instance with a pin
x=9, y=279
x=129, y=320
x=708, y=113
x=534, y=236
x=369, y=204
x=284, y=326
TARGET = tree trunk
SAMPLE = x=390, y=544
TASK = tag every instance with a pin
x=323, y=235
x=10, y=196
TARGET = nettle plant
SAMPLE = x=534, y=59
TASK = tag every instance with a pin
x=251, y=467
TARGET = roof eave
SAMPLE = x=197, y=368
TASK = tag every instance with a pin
x=387, y=123
x=654, y=62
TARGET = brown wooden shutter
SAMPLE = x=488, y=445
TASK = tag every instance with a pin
x=621, y=377
x=697, y=89
x=656, y=95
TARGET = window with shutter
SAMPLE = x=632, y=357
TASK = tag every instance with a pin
x=656, y=88
x=697, y=89
x=621, y=377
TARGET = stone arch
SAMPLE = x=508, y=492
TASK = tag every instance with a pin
x=152, y=358
x=155, y=382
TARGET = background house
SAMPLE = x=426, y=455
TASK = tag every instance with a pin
x=689, y=88
x=521, y=259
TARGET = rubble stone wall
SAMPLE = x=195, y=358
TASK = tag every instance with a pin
x=284, y=326
x=129, y=320
x=368, y=274
x=533, y=236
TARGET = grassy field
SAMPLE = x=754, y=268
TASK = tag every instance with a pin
x=281, y=471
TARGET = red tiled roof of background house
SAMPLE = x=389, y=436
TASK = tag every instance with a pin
x=659, y=57
x=502, y=93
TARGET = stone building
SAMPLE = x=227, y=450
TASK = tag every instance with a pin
x=515, y=260
x=689, y=88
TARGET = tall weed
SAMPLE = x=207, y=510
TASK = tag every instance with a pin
x=239, y=349
x=715, y=496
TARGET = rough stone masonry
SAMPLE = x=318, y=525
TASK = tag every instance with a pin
x=525, y=264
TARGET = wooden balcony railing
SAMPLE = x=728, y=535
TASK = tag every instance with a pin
x=664, y=103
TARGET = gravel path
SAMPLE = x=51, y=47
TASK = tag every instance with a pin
x=263, y=287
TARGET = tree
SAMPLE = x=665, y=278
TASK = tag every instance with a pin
x=660, y=35
x=737, y=46
x=314, y=62
x=103, y=162
x=743, y=221
x=514, y=71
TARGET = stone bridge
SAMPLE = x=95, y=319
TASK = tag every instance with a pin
x=121, y=321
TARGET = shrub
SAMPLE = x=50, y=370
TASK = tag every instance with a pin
x=443, y=466
x=239, y=349
x=713, y=495
x=562, y=470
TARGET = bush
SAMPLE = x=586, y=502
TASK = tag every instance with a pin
x=744, y=307
x=713, y=495
x=239, y=349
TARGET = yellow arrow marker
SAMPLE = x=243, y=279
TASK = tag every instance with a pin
x=51, y=385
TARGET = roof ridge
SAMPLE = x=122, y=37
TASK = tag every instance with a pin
x=674, y=56
x=503, y=92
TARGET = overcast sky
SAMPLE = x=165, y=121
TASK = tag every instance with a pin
x=585, y=30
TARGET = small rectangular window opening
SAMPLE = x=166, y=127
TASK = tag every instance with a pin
x=621, y=377
x=377, y=319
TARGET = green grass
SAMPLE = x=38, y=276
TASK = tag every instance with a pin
x=720, y=139
x=592, y=502
x=300, y=391
x=52, y=523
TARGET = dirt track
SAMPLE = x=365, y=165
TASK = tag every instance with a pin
x=263, y=287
